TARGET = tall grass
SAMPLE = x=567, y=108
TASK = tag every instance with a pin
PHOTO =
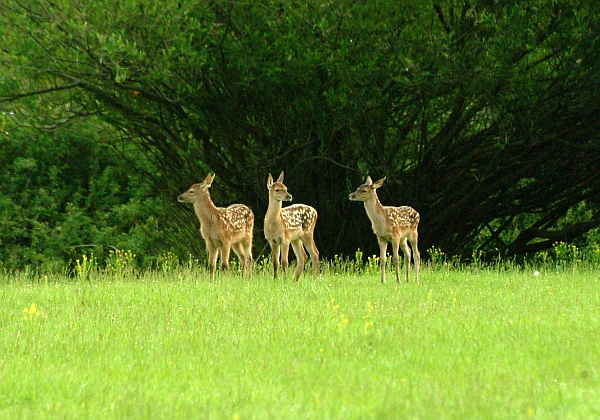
x=467, y=342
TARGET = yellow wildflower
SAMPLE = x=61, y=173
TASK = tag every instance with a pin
x=31, y=311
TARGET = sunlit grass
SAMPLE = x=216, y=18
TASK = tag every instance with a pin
x=464, y=343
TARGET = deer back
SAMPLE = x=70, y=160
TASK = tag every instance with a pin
x=299, y=217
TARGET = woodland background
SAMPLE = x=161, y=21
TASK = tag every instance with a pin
x=483, y=115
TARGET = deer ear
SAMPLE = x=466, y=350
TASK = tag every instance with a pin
x=378, y=183
x=270, y=182
x=280, y=179
x=368, y=181
x=208, y=180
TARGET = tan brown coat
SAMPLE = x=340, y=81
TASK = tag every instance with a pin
x=222, y=228
x=293, y=225
x=397, y=225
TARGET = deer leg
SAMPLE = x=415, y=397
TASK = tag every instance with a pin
x=285, y=251
x=225, y=250
x=213, y=252
x=249, y=261
x=239, y=251
x=395, y=258
x=414, y=239
x=309, y=243
x=246, y=254
x=300, y=256
x=382, y=257
x=247, y=249
x=406, y=250
x=275, y=250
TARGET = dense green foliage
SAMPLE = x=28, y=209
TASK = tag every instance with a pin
x=62, y=194
x=494, y=343
x=483, y=115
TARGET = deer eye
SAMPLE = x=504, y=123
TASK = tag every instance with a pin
x=191, y=192
x=276, y=189
x=364, y=191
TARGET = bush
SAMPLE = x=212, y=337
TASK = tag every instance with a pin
x=64, y=194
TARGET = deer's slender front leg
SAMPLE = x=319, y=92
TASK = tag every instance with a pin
x=285, y=251
x=225, y=251
x=276, y=251
x=213, y=252
x=382, y=257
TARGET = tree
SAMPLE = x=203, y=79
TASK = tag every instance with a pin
x=479, y=114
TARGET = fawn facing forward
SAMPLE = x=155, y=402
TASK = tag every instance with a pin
x=294, y=224
x=391, y=224
x=222, y=228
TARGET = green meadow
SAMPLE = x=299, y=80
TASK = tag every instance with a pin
x=465, y=343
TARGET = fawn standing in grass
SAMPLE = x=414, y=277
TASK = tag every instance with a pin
x=222, y=228
x=391, y=224
x=293, y=224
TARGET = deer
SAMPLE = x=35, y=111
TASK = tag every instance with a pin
x=397, y=225
x=293, y=225
x=222, y=228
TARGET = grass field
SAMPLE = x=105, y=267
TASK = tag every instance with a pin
x=462, y=344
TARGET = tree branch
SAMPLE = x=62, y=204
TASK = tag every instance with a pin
x=40, y=92
x=442, y=18
x=552, y=236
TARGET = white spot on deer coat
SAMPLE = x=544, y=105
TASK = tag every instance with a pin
x=404, y=216
x=299, y=217
x=237, y=218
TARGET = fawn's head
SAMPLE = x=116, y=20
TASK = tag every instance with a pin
x=197, y=190
x=366, y=190
x=277, y=190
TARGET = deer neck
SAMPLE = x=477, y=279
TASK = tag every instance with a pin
x=205, y=209
x=376, y=215
x=273, y=220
